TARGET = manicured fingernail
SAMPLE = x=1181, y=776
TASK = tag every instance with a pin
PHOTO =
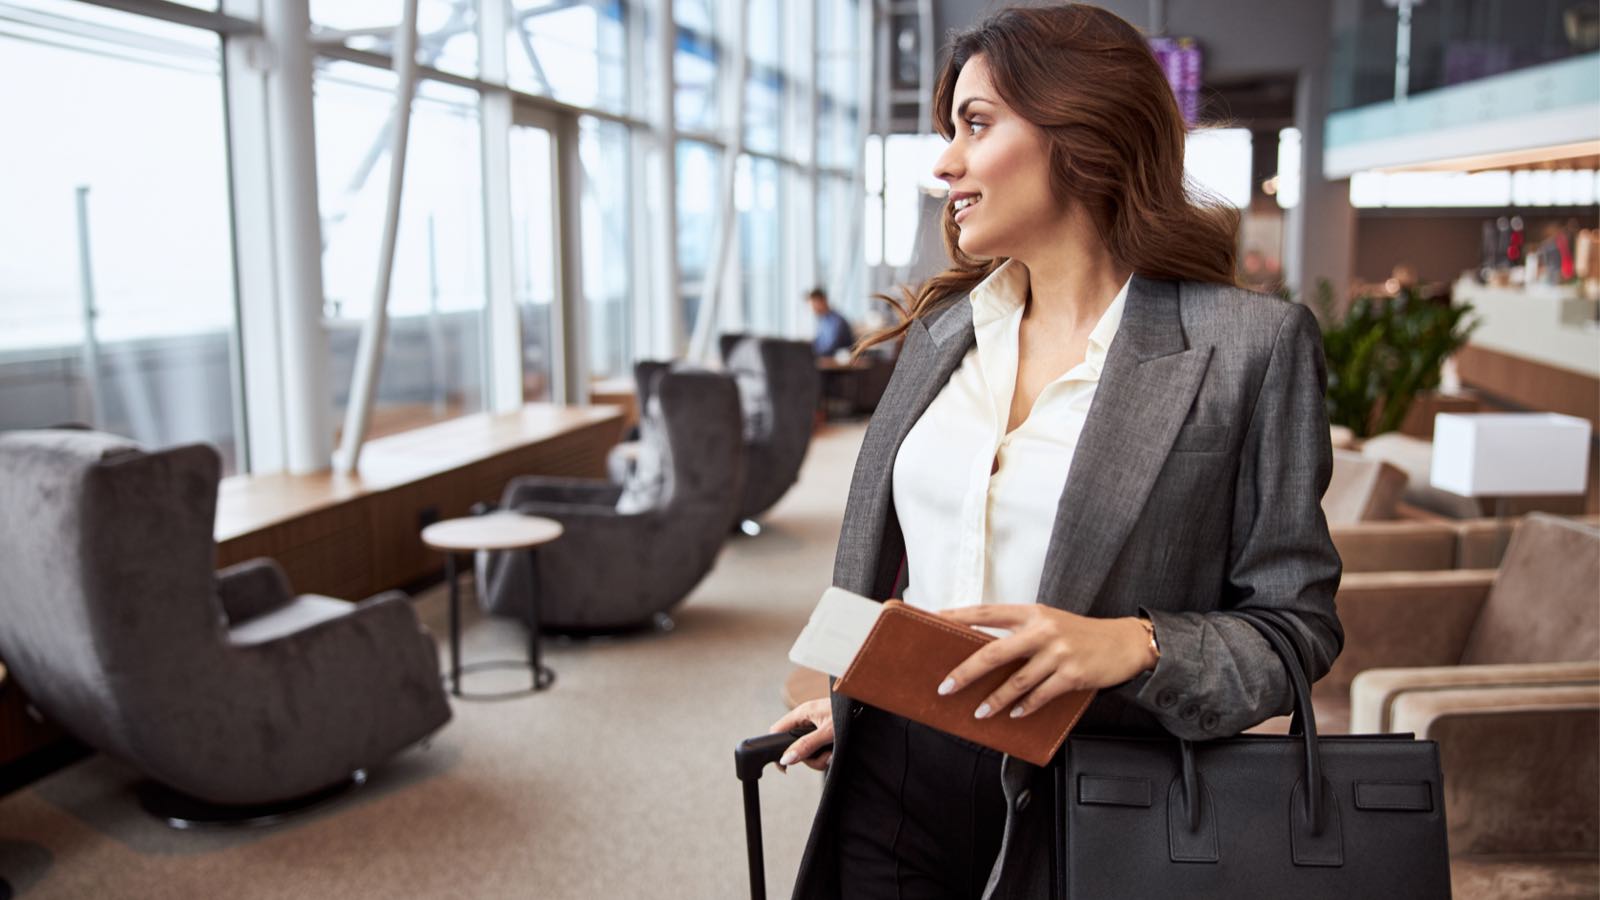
x=786, y=760
x=982, y=713
x=1017, y=711
x=946, y=686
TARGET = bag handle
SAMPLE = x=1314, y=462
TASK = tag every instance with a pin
x=1272, y=627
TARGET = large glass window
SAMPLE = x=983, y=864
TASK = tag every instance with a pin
x=607, y=249
x=574, y=52
x=756, y=198
x=447, y=37
x=433, y=360
x=1217, y=162
x=837, y=82
x=836, y=204
x=695, y=64
x=698, y=212
x=116, y=278
x=533, y=254
x=764, y=86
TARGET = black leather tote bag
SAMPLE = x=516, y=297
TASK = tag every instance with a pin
x=1232, y=819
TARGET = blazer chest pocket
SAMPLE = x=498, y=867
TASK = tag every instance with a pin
x=1199, y=438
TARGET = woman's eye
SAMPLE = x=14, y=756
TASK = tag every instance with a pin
x=972, y=127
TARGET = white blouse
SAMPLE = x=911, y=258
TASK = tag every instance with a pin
x=972, y=536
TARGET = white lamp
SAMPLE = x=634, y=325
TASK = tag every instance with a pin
x=1503, y=455
x=1510, y=454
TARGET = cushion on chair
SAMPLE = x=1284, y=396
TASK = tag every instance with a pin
x=644, y=486
x=755, y=400
x=307, y=610
x=1543, y=605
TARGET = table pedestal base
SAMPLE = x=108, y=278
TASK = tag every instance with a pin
x=541, y=677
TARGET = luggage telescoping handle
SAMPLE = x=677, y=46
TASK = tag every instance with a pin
x=749, y=759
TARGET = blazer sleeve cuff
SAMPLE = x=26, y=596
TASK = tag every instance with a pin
x=1167, y=691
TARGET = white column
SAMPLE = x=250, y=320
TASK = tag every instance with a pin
x=872, y=81
x=1319, y=233
x=801, y=190
x=668, y=329
x=570, y=366
x=503, y=332
x=307, y=401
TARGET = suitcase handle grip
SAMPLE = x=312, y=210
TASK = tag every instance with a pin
x=754, y=754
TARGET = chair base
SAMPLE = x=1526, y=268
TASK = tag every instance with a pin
x=750, y=527
x=184, y=812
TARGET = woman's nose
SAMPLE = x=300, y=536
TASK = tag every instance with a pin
x=948, y=167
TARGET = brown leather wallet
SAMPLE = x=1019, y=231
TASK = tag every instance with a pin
x=910, y=651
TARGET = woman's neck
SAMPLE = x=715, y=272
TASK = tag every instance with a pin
x=1071, y=281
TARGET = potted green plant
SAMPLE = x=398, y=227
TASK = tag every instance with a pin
x=1384, y=352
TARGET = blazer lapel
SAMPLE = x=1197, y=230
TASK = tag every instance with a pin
x=933, y=350
x=1145, y=391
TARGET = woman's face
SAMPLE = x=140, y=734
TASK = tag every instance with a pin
x=998, y=169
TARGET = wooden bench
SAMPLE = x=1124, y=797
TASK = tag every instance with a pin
x=351, y=536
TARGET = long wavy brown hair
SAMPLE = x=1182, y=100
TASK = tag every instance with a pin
x=1088, y=80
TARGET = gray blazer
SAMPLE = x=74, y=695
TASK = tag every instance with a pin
x=1196, y=487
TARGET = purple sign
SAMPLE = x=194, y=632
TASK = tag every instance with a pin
x=1180, y=59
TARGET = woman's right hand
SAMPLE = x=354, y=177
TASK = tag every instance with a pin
x=818, y=713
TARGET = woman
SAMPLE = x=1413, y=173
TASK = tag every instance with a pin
x=1092, y=440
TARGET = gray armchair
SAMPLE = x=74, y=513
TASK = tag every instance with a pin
x=223, y=686
x=778, y=385
x=632, y=551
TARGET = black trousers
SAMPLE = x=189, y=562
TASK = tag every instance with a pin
x=921, y=813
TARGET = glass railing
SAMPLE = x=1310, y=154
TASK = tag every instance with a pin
x=1451, y=42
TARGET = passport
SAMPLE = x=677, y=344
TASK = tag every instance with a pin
x=907, y=652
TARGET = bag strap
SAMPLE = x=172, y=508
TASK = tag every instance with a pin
x=1272, y=627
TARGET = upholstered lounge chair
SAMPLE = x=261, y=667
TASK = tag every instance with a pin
x=632, y=551
x=223, y=686
x=1361, y=489
x=778, y=387
x=1502, y=668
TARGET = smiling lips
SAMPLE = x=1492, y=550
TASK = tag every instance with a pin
x=961, y=203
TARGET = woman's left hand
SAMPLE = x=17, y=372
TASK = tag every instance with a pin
x=1064, y=652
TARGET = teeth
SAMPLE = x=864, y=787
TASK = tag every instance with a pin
x=964, y=202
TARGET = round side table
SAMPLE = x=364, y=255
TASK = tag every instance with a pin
x=496, y=531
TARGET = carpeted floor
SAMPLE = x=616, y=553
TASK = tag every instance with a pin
x=616, y=783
